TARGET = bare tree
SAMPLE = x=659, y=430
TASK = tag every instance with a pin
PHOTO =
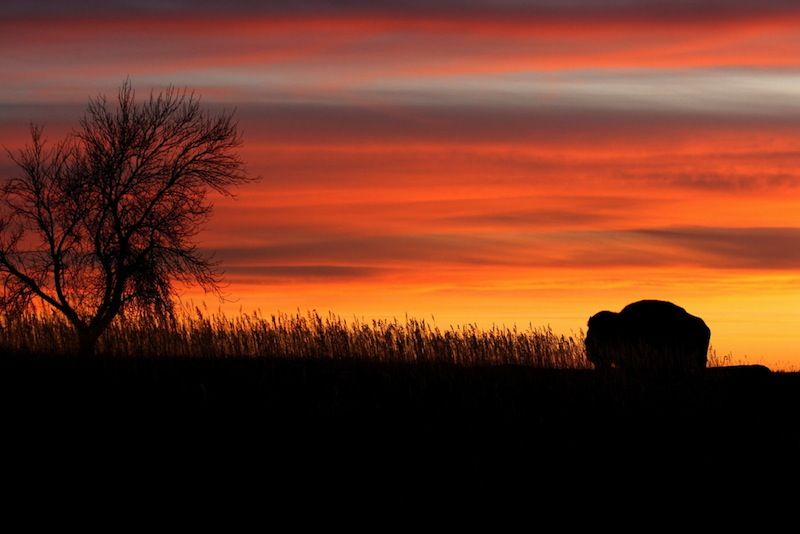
x=106, y=220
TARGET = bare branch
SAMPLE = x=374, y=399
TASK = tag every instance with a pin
x=106, y=220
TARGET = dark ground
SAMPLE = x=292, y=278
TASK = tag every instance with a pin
x=316, y=424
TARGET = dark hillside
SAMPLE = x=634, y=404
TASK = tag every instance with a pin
x=303, y=412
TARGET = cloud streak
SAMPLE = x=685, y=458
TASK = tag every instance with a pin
x=244, y=51
x=617, y=8
x=734, y=248
x=753, y=249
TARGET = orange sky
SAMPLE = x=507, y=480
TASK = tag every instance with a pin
x=526, y=164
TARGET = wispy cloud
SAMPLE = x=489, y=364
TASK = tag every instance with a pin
x=271, y=274
x=734, y=248
x=771, y=249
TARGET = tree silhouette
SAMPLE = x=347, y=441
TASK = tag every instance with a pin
x=106, y=221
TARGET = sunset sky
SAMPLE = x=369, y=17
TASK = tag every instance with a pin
x=531, y=162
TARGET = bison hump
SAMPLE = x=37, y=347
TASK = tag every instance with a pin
x=653, y=308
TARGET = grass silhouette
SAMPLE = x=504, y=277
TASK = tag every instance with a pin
x=193, y=333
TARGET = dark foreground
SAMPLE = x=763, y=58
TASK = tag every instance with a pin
x=329, y=421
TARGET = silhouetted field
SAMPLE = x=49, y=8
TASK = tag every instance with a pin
x=301, y=415
x=195, y=334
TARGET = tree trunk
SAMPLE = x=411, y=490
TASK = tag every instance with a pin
x=87, y=341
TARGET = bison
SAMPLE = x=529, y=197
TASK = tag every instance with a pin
x=649, y=334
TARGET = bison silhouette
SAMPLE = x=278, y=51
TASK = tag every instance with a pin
x=649, y=334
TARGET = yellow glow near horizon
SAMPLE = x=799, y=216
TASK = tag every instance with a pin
x=752, y=318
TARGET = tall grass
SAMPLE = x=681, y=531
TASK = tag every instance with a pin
x=194, y=333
